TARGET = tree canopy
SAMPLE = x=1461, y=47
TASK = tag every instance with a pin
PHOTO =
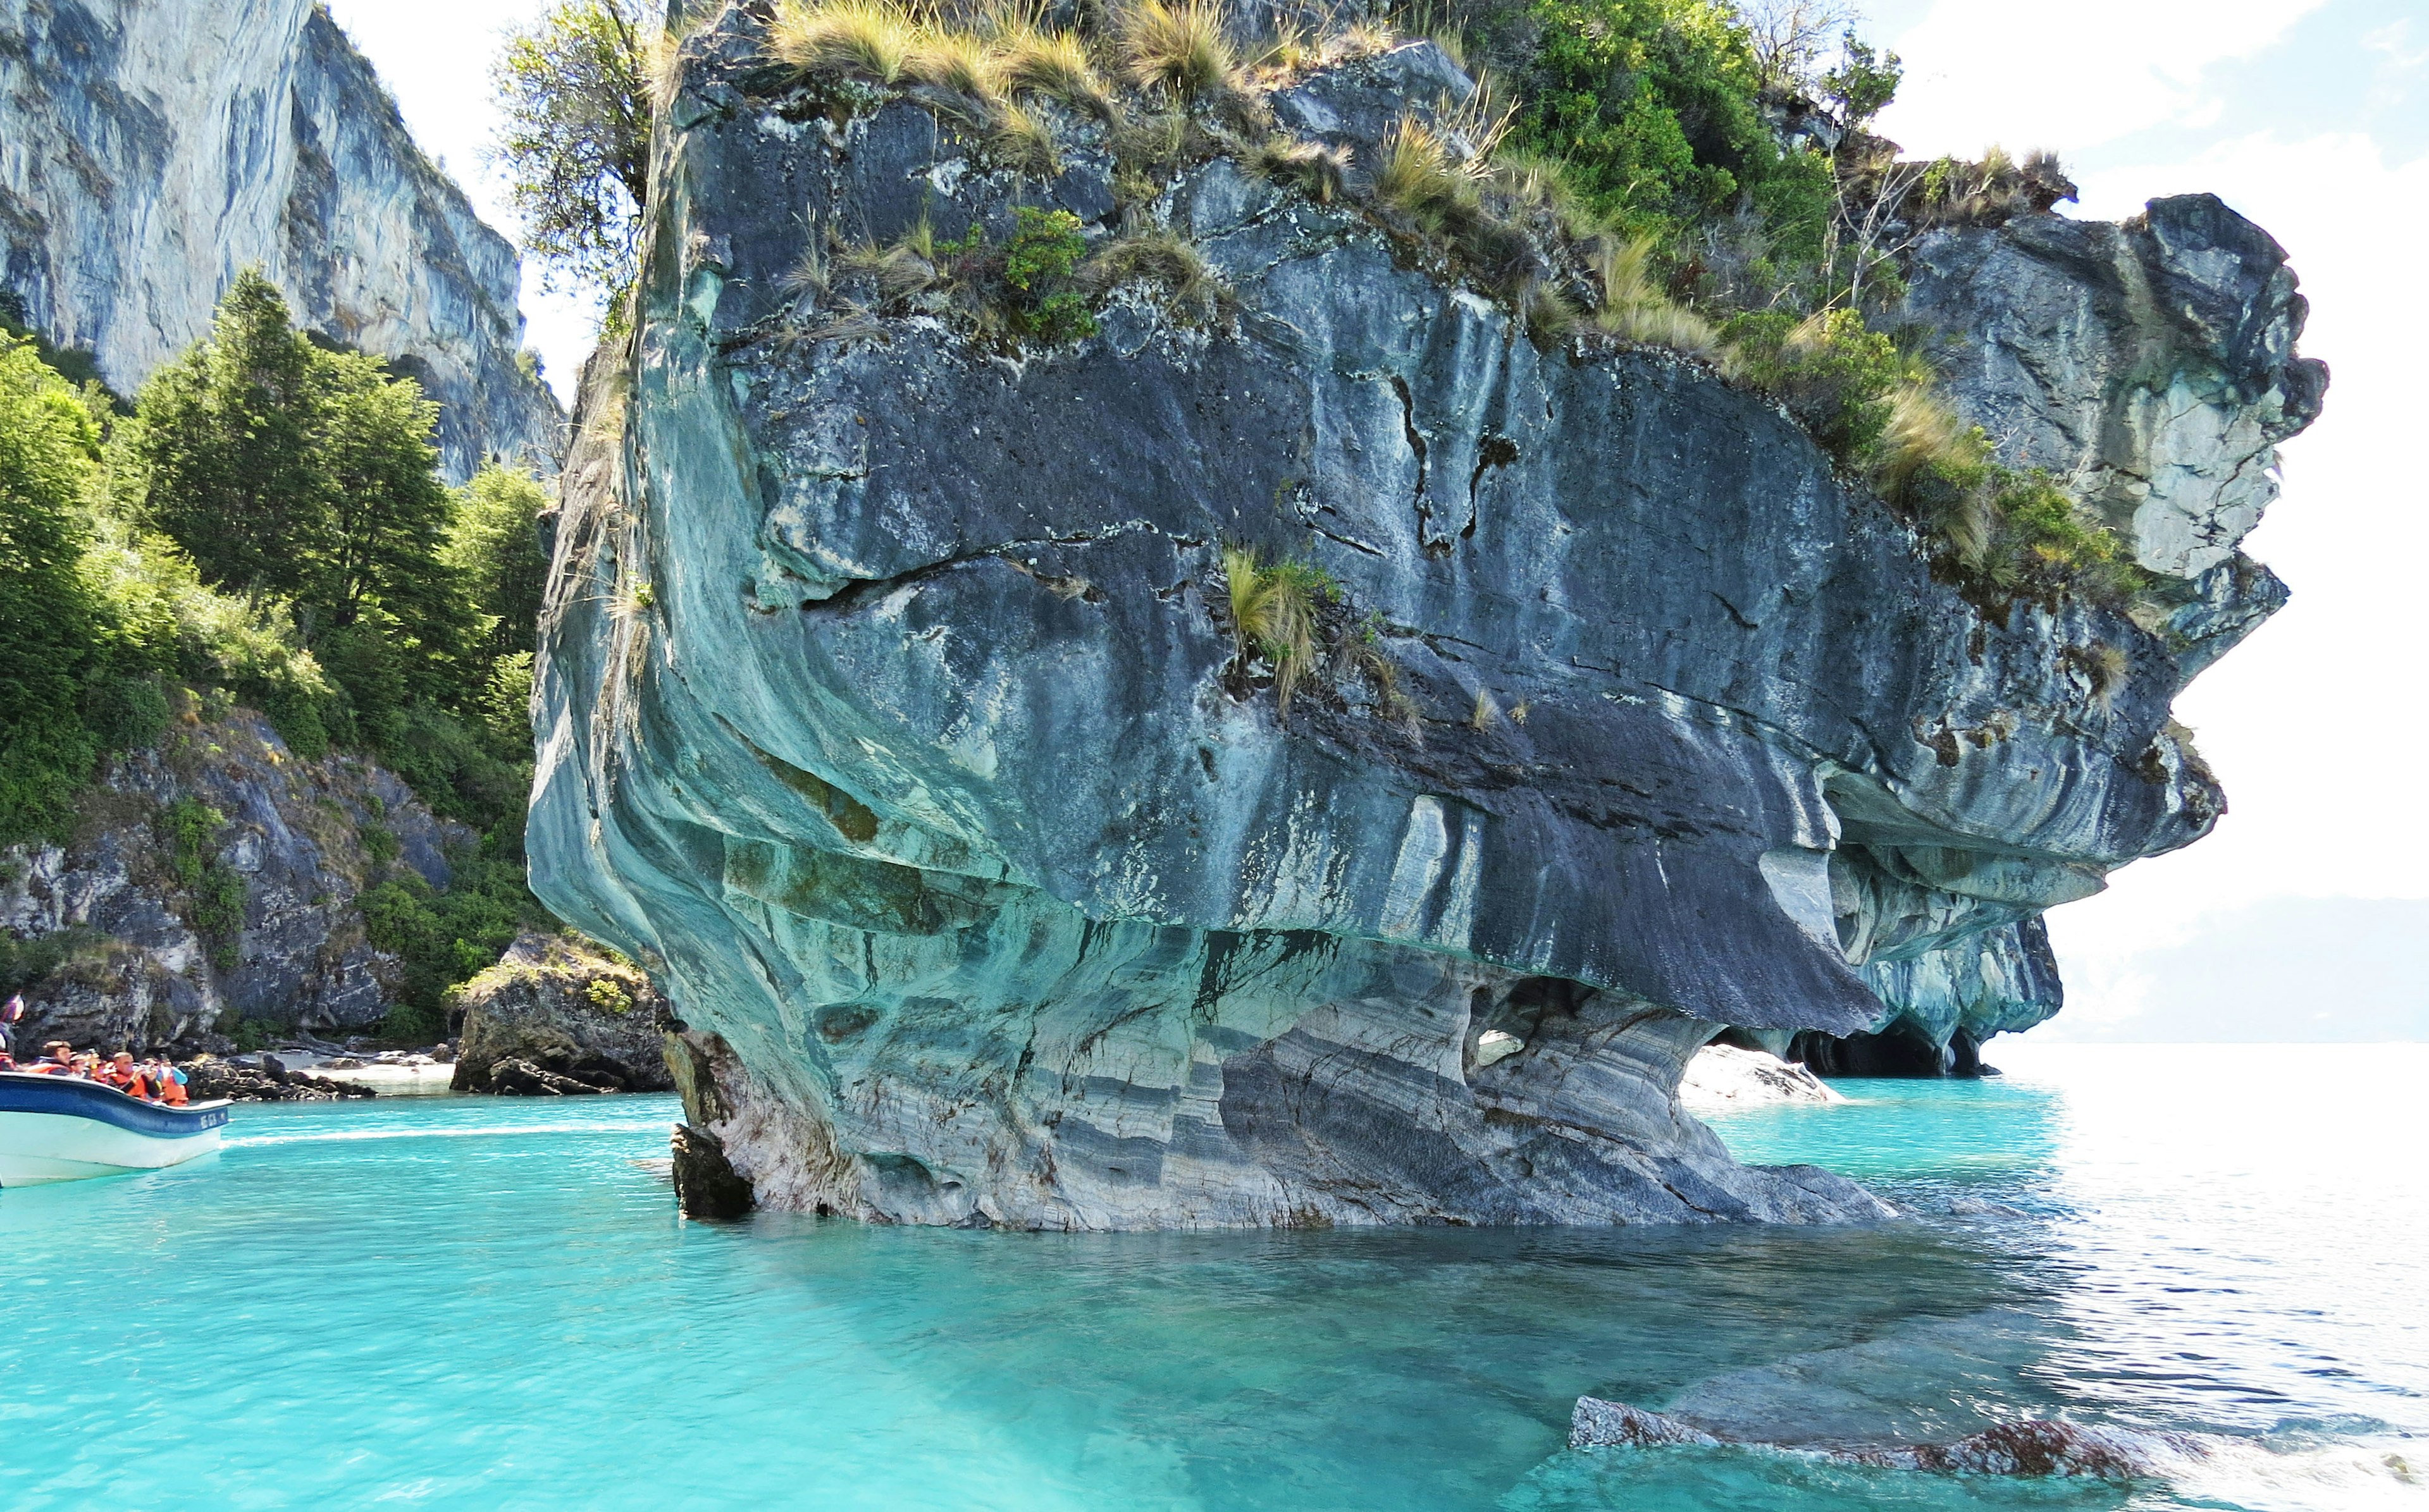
x=575, y=90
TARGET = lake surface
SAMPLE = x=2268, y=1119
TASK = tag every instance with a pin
x=490, y=1304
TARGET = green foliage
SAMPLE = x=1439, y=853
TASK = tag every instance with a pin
x=1836, y=375
x=1864, y=82
x=574, y=88
x=294, y=473
x=608, y=995
x=443, y=940
x=1045, y=249
x=26, y=963
x=52, y=628
x=1653, y=105
x=494, y=552
x=214, y=894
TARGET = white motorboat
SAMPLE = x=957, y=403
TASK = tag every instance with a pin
x=64, y=1128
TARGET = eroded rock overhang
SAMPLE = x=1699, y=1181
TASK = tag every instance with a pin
x=889, y=709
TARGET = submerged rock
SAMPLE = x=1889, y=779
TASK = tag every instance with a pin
x=516, y=1077
x=1598, y=1424
x=2035, y=1447
x=563, y=1009
x=892, y=711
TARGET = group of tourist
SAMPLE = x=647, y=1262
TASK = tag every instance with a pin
x=153, y=1079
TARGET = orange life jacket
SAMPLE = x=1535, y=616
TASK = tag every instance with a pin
x=172, y=1092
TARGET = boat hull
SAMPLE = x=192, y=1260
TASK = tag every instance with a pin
x=56, y=1128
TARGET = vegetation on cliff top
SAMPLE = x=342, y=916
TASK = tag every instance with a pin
x=267, y=526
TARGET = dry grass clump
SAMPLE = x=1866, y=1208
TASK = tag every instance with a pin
x=1057, y=65
x=1184, y=48
x=1022, y=142
x=986, y=58
x=872, y=38
x=1316, y=169
x=1922, y=434
x=1419, y=175
x=2105, y=667
x=1951, y=192
x=902, y=271
x=1636, y=308
x=1273, y=614
x=1161, y=260
x=958, y=61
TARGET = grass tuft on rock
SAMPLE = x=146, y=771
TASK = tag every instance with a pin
x=1184, y=48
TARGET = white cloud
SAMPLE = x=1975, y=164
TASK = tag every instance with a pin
x=2070, y=73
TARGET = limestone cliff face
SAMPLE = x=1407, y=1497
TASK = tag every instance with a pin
x=150, y=150
x=890, y=709
x=137, y=956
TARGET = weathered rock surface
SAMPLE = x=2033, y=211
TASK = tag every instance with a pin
x=2170, y=431
x=561, y=1012
x=890, y=713
x=155, y=148
x=293, y=836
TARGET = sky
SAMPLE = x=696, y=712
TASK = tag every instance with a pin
x=2312, y=118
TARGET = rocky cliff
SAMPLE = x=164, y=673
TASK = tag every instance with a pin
x=894, y=712
x=214, y=879
x=150, y=150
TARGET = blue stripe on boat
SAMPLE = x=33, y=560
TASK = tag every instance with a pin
x=24, y=1093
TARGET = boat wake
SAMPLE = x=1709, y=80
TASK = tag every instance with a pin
x=480, y=1132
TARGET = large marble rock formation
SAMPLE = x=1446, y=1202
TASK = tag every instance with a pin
x=155, y=148
x=890, y=711
x=125, y=956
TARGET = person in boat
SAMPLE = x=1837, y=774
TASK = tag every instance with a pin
x=128, y=1078
x=170, y=1081
x=9, y=1014
x=59, y=1060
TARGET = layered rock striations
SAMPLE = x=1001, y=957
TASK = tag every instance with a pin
x=155, y=148
x=891, y=709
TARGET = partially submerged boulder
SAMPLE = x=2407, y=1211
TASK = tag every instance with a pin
x=262, y=1079
x=561, y=1010
x=706, y=1184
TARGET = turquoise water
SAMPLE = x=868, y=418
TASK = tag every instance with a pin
x=478, y=1303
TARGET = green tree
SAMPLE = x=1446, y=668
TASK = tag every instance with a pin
x=50, y=625
x=226, y=438
x=309, y=476
x=575, y=89
x=495, y=551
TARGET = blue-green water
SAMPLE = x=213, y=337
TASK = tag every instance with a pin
x=490, y=1304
